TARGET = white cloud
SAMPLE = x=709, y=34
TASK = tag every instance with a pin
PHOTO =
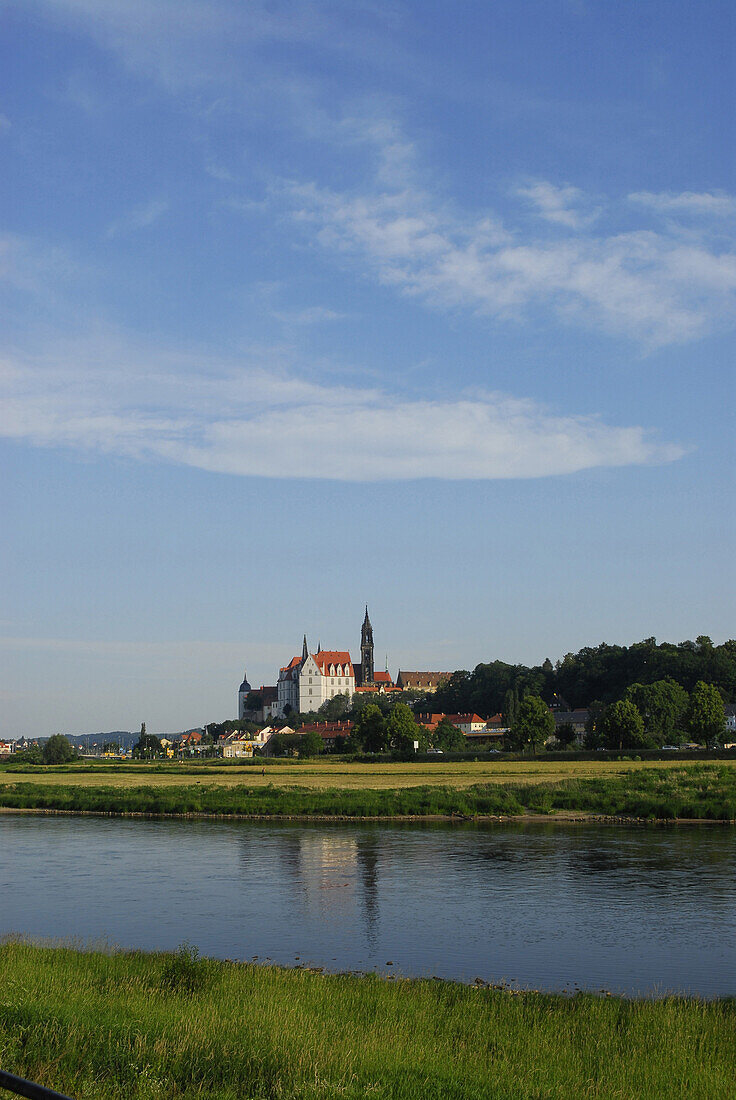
x=654, y=286
x=249, y=421
x=312, y=315
x=716, y=203
x=559, y=205
x=140, y=217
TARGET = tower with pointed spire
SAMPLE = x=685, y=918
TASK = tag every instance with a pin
x=366, y=651
x=243, y=693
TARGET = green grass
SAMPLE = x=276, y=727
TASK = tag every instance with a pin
x=694, y=791
x=102, y=1026
x=334, y=773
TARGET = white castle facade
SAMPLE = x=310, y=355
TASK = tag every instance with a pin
x=310, y=680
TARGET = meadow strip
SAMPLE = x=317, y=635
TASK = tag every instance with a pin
x=692, y=792
x=103, y=1026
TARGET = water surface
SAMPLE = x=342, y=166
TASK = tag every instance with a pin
x=632, y=910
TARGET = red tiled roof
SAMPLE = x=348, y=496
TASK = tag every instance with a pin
x=383, y=678
x=430, y=721
x=329, y=730
x=329, y=657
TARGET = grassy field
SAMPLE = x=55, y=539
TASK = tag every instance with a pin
x=338, y=774
x=151, y=1026
x=701, y=791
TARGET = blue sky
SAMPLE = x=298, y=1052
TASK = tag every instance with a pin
x=308, y=305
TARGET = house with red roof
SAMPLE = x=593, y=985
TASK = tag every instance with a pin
x=310, y=680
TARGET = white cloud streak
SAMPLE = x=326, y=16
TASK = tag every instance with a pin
x=140, y=217
x=705, y=203
x=656, y=287
x=249, y=421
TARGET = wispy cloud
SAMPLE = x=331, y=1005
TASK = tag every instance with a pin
x=312, y=315
x=655, y=286
x=716, y=203
x=561, y=205
x=241, y=419
x=140, y=217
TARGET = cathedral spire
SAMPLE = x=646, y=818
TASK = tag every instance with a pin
x=305, y=651
x=366, y=651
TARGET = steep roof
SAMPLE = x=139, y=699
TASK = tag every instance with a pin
x=293, y=663
x=329, y=657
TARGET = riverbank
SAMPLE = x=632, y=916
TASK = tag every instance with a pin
x=110, y=1025
x=692, y=792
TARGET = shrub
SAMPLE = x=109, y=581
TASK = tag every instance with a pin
x=185, y=972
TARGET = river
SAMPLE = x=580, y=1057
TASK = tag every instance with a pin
x=556, y=907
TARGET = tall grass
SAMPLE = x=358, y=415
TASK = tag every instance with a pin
x=106, y=1026
x=694, y=791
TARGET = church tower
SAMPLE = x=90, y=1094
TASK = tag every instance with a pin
x=366, y=651
x=243, y=693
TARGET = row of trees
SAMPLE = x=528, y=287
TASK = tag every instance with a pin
x=647, y=717
x=650, y=716
x=602, y=673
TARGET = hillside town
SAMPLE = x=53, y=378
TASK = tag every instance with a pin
x=646, y=696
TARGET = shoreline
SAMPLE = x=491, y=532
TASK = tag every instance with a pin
x=561, y=817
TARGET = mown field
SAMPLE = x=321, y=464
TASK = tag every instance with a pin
x=337, y=775
x=110, y=1026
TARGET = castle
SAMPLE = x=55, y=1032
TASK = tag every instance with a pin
x=309, y=680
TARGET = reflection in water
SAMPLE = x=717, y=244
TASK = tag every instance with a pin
x=626, y=909
x=368, y=848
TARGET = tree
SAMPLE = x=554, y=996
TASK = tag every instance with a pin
x=565, y=734
x=622, y=727
x=705, y=716
x=533, y=724
x=112, y=746
x=592, y=738
x=58, y=750
x=253, y=701
x=147, y=746
x=448, y=737
x=510, y=705
x=402, y=730
x=332, y=710
x=31, y=755
x=662, y=706
x=370, y=730
x=310, y=744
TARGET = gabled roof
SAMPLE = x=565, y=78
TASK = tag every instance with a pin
x=382, y=677
x=329, y=657
x=284, y=673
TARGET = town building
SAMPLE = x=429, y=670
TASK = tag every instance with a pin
x=310, y=680
x=421, y=681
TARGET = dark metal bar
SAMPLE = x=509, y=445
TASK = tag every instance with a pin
x=29, y=1089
